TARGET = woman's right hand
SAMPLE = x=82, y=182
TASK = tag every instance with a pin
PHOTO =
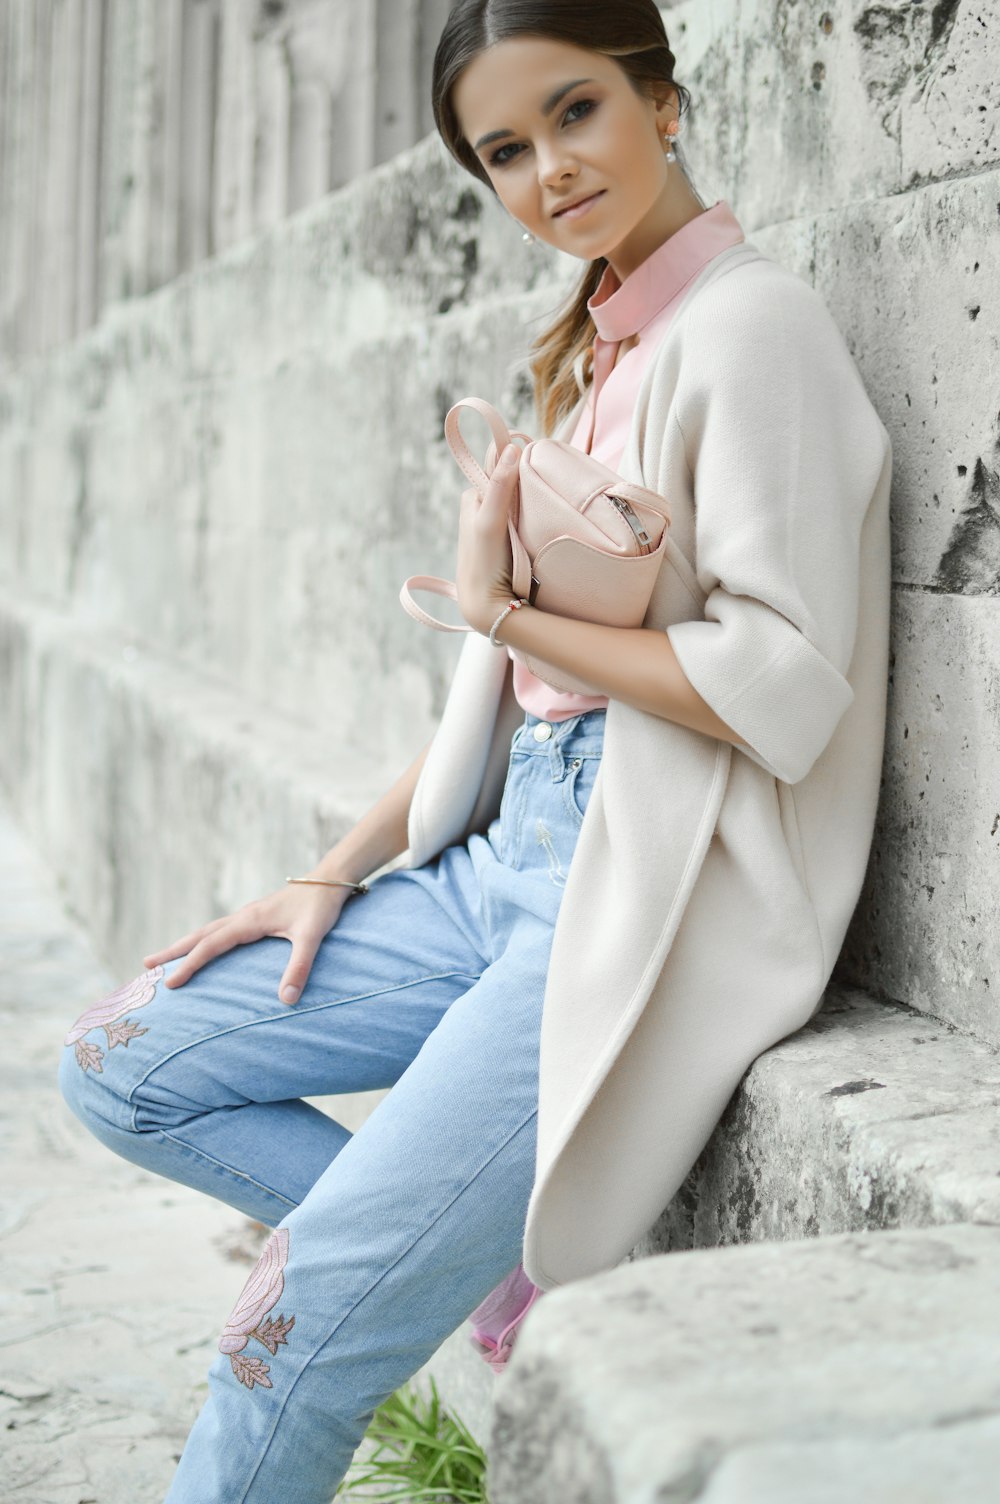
x=297, y=912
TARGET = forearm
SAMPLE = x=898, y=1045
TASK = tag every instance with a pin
x=635, y=664
x=379, y=836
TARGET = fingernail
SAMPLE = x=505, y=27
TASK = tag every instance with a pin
x=290, y=994
x=509, y=455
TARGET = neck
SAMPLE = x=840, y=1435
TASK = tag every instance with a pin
x=676, y=206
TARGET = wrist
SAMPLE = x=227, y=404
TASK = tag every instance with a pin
x=337, y=869
x=502, y=609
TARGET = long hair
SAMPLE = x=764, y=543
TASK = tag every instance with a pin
x=631, y=32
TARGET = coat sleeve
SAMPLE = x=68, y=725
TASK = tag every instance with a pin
x=784, y=450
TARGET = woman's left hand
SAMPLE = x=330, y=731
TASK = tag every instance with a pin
x=485, y=563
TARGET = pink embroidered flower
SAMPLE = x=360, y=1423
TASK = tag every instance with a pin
x=109, y=1015
x=497, y=1320
x=261, y=1294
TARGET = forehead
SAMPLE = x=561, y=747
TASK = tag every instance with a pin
x=510, y=81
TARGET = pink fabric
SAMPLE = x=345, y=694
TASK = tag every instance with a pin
x=644, y=305
x=496, y=1321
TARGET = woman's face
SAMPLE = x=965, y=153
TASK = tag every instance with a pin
x=563, y=123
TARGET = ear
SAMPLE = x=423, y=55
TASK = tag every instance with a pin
x=668, y=102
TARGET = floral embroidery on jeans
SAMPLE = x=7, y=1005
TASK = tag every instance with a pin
x=109, y=1015
x=544, y=838
x=261, y=1294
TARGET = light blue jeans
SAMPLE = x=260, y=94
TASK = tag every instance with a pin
x=385, y=1240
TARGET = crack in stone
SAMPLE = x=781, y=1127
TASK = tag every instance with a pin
x=970, y=565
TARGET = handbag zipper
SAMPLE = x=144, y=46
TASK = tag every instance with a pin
x=632, y=518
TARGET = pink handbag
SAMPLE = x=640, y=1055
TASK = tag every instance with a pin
x=585, y=543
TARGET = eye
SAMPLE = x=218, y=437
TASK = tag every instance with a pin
x=497, y=160
x=587, y=106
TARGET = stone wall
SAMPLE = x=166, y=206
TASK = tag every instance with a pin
x=138, y=137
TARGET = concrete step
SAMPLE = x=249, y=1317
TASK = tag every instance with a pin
x=859, y=1366
x=162, y=797
x=873, y=1115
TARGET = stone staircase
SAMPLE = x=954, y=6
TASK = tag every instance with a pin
x=207, y=505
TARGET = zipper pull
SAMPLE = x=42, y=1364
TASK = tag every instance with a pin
x=632, y=518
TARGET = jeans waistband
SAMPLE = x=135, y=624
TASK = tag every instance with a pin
x=578, y=736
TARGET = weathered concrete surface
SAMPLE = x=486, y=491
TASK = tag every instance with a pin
x=798, y=108
x=139, y=136
x=925, y=928
x=861, y=1367
x=163, y=798
x=925, y=330
x=869, y=1117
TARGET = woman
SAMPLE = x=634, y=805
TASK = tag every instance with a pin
x=669, y=864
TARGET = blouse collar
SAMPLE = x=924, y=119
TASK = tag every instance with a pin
x=620, y=309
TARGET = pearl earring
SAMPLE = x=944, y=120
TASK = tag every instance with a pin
x=528, y=238
x=672, y=131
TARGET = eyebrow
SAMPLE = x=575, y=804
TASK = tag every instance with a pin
x=547, y=109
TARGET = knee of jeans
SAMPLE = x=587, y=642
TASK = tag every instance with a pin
x=87, y=1096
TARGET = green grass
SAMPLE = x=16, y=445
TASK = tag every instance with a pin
x=420, y=1452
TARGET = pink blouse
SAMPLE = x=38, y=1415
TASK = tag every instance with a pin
x=643, y=305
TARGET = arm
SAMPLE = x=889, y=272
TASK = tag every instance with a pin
x=305, y=918
x=634, y=664
x=378, y=837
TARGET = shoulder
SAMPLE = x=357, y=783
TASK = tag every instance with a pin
x=762, y=337
x=762, y=312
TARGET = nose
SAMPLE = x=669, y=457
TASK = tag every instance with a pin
x=555, y=164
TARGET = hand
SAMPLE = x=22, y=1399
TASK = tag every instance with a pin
x=300, y=914
x=485, y=562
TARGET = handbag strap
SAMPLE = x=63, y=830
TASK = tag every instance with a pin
x=521, y=571
x=437, y=587
x=470, y=466
x=520, y=577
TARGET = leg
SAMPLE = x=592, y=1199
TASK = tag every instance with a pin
x=202, y=1083
x=419, y=1216
x=422, y=1213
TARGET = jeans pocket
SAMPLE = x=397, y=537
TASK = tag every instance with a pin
x=578, y=785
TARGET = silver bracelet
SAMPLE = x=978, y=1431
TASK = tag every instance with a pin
x=329, y=882
x=515, y=605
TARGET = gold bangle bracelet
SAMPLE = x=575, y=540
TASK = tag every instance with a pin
x=329, y=882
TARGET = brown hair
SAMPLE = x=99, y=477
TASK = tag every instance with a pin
x=629, y=31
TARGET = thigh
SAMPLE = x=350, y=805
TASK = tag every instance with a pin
x=387, y=971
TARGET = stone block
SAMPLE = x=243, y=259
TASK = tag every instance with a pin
x=868, y=1117
x=844, y=103
x=162, y=798
x=923, y=932
x=860, y=1366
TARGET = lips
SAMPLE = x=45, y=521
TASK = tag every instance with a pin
x=564, y=208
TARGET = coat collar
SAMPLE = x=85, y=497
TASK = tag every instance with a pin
x=620, y=309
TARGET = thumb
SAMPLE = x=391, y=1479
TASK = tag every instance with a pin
x=503, y=479
x=299, y=966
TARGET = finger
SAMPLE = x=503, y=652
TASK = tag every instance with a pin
x=304, y=948
x=182, y=946
x=502, y=481
x=236, y=930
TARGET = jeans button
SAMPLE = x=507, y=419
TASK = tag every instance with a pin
x=542, y=731
x=575, y=763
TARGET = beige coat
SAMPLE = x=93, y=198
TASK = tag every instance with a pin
x=711, y=886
